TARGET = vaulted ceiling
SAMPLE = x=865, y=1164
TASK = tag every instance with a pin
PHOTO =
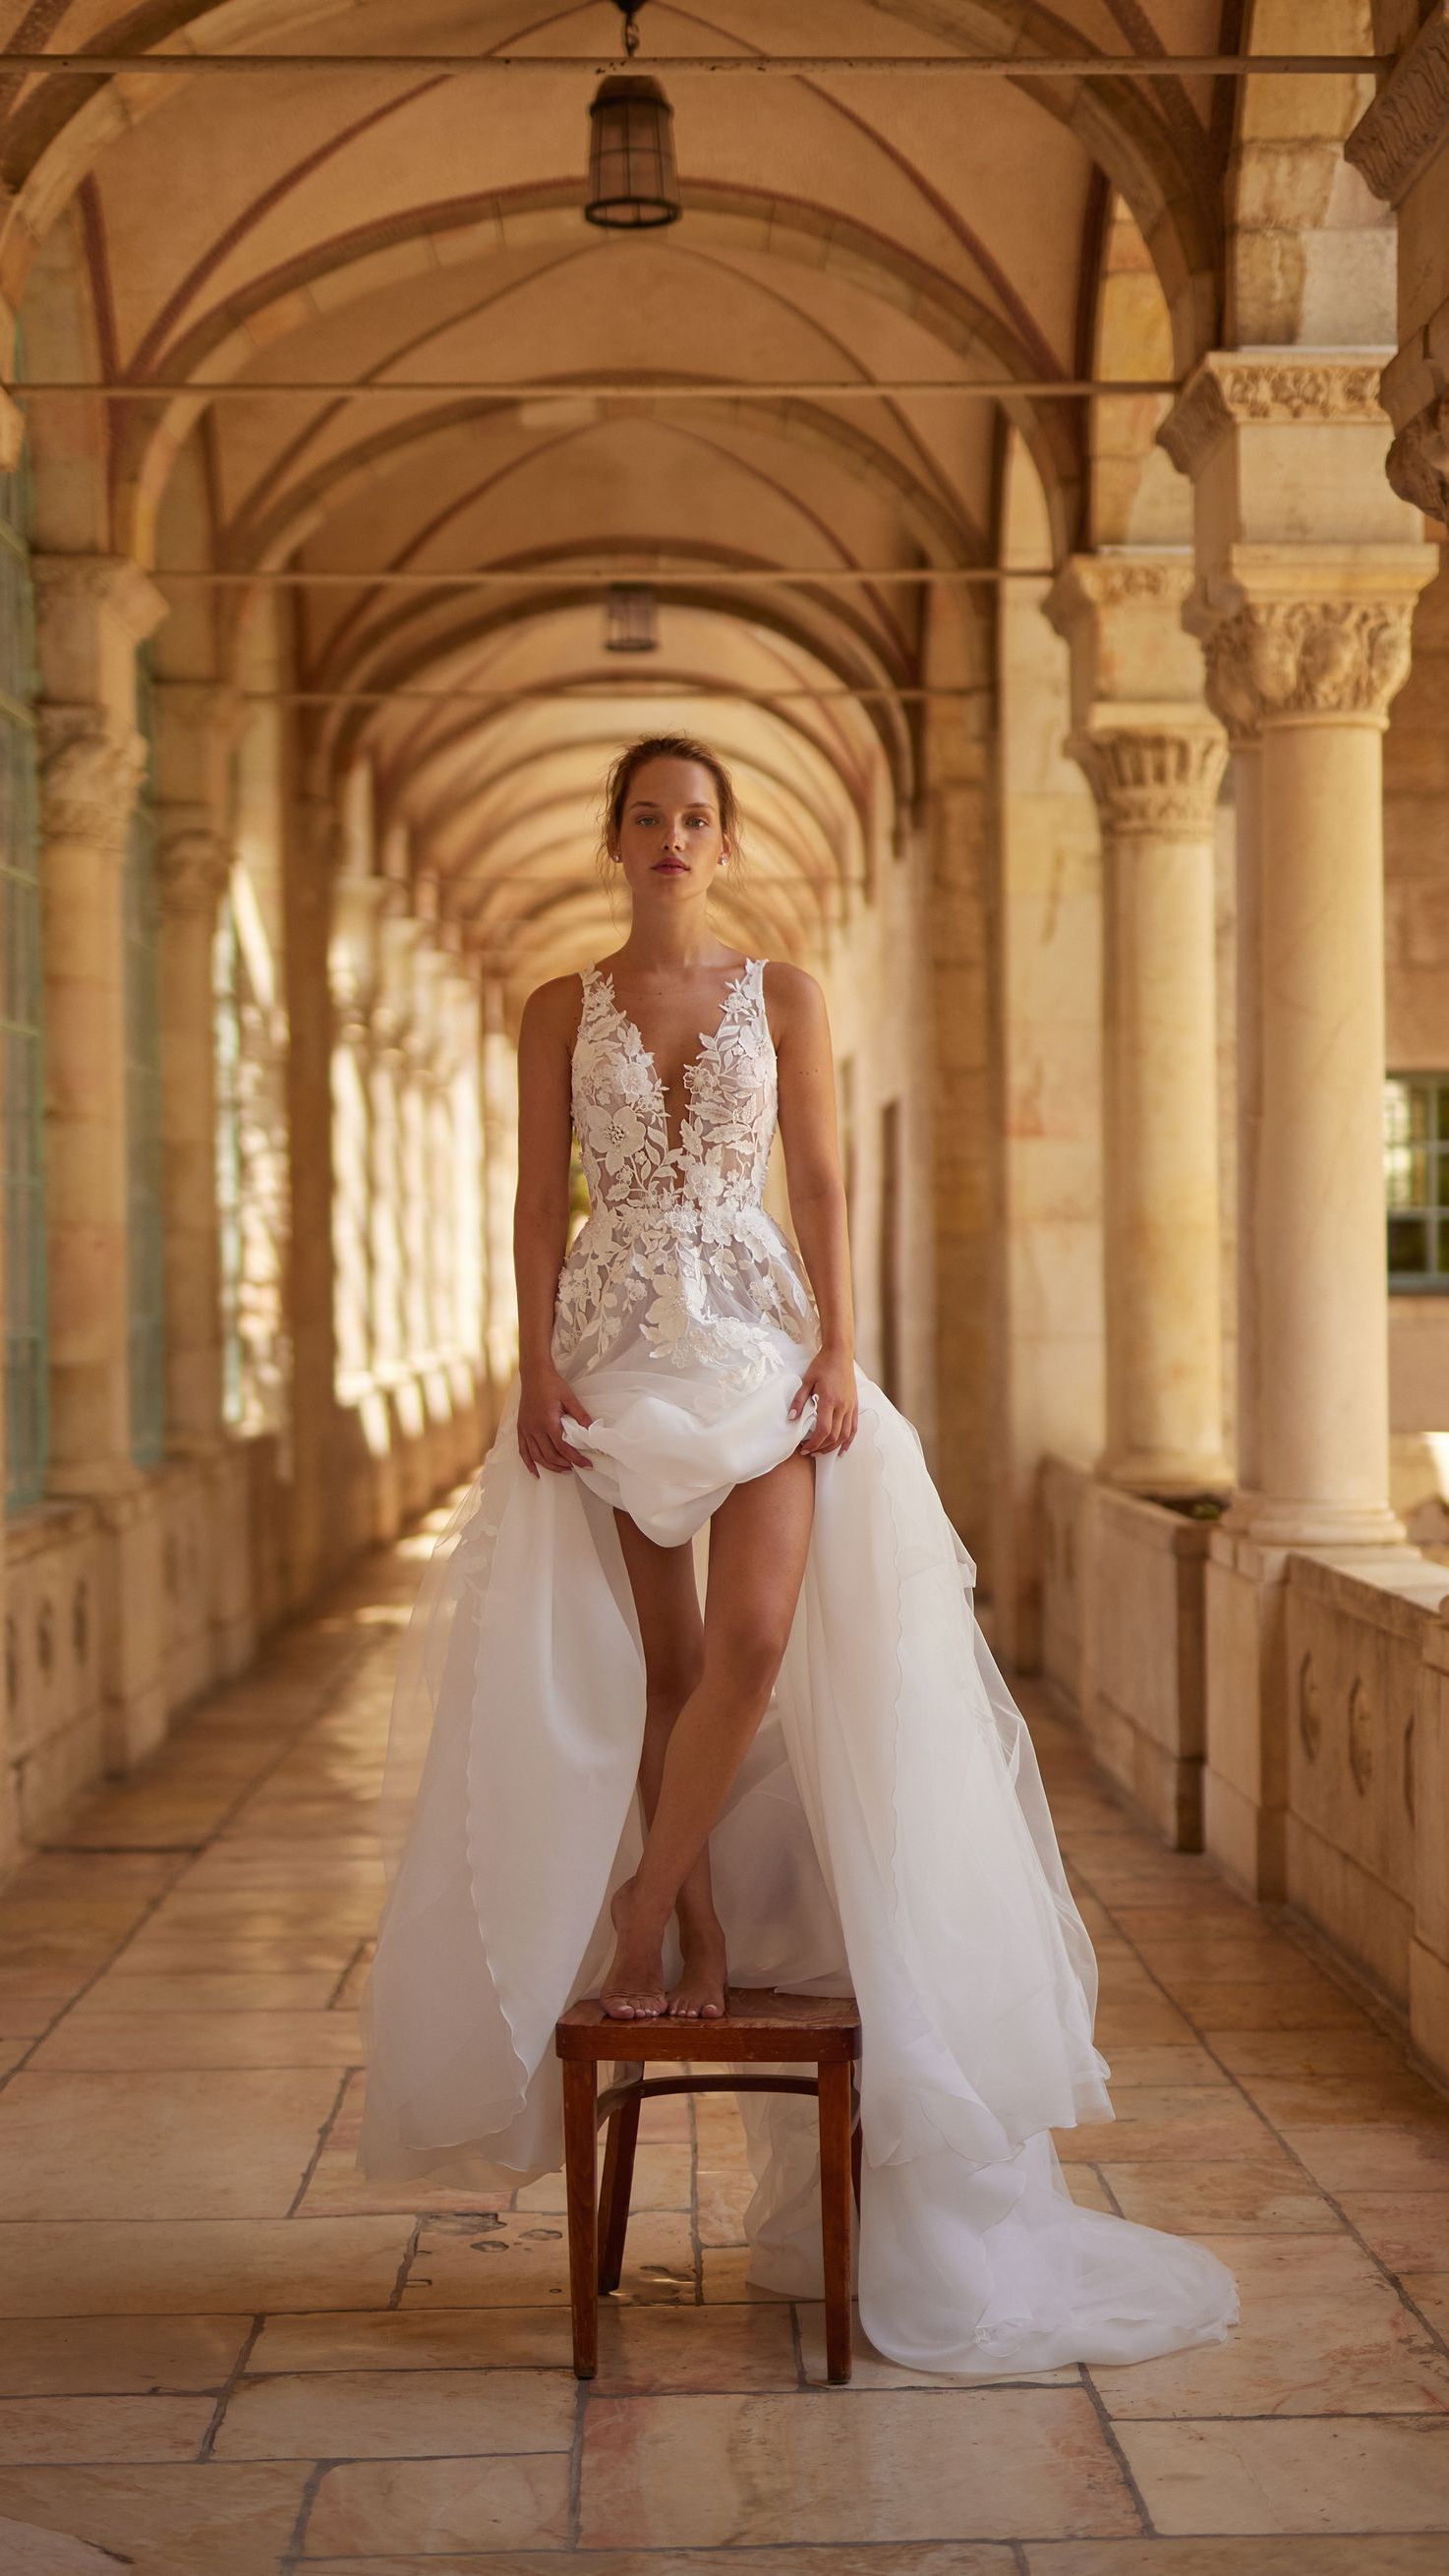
x=358, y=226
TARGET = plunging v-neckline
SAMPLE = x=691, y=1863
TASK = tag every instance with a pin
x=708, y=1041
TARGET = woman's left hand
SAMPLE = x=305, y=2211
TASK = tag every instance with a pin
x=830, y=1378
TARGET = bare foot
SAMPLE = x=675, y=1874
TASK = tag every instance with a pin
x=633, y=1990
x=700, y=1993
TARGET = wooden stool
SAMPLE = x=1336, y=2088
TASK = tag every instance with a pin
x=822, y=2031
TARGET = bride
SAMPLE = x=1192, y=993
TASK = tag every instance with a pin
x=818, y=1781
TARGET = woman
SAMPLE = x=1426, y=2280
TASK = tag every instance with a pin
x=835, y=1791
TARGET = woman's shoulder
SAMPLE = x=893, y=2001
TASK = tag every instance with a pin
x=552, y=1009
x=792, y=992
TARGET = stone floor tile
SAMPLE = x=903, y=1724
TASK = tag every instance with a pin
x=1358, y=2101
x=167, y=1951
x=655, y=2349
x=1139, y=2021
x=1374, y=2158
x=720, y=2204
x=1305, y=2003
x=205, y=2519
x=870, y=2369
x=889, y=2465
x=202, y=1992
x=1265, y=2191
x=661, y=2181
x=522, y=2261
x=1251, y=1957
x=954, y=2558
x=724, y=2275
x=142, y=2267
x=1293, y=2474
x=1169, y=2063
x=1408, y=2230
x=1326, y=2554
x=416, y=2339
x=117, y=2356
x=1321, y=2333
x=1278, y=2054
x=1430, y=2294
x=437, y=2505
x=220, y=2144
x=115, y=2043
x=27, y=2550
x=397, y=2414
x=1155, y=2122
x=103, y=2428
x=1087, y=2187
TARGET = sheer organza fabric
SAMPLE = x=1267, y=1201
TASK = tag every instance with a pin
x=887, y=1835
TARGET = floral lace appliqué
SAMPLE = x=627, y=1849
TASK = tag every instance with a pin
x=678, y=1242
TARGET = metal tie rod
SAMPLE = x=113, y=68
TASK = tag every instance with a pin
x=1139, y=67
x=807, y=389
x=588, y=577
x=583, y=693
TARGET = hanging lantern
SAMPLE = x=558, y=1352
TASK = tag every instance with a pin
x=633, y=183
x=630, y=618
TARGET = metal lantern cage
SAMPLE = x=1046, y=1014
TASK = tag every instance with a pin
x=633, y=183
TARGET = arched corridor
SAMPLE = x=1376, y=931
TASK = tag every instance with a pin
x=1025, y=457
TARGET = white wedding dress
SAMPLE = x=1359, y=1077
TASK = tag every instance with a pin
x=888, y=1833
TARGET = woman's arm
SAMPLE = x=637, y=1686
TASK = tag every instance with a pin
x=541, y=1221
x=817, y=1199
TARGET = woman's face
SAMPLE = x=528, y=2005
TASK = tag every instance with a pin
x=669, y=841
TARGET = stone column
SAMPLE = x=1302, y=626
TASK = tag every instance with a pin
x=319, y=1535
x=1153, y=755
x=1320, y=671
x=1308, y=571
x=194, y=725
x=91, y=613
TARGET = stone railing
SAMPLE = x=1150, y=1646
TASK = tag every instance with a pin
x=1368, y=1786
x=1122, y=1638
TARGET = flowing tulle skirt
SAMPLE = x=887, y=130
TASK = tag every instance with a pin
x=887, y=1835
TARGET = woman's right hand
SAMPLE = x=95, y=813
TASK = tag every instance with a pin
x=545, y=1404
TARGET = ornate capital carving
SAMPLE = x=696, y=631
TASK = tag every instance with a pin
x=1120, y=581
x=66, y=583
x=1153, y=781
x=1396, y=137
x=193, y=866
x=1270, y=388
x=90, y=769
x=1277, y=658
x=1418, y=465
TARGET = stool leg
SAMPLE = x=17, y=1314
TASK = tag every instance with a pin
x=855, y=2154
x=580, y=2097
x=835, y=2196
x=614, y=2191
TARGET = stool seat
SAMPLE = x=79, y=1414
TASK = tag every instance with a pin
x=758, y=2026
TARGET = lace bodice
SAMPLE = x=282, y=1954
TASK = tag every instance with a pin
x=620, y=1114
x=678, y=1250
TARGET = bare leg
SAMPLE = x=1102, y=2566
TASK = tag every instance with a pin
x=672, y=1634
x=759, y=1543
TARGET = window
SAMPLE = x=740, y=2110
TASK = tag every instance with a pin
x=1416, y=1156
x=144, y=1249
x=22, y=1048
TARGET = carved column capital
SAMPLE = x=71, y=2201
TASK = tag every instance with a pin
x=1280, y=657
x=90, y=769
x=194, y=863
x=1271, y=389
x=1418, y=462
x=1396, y=138
x=112, y=584
x=1153, y=780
